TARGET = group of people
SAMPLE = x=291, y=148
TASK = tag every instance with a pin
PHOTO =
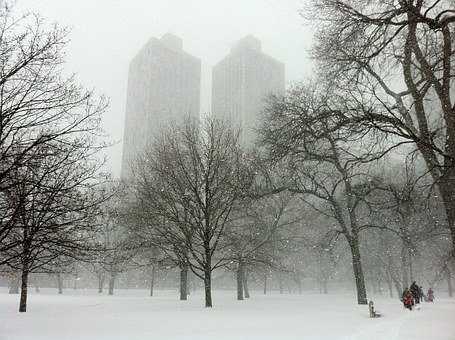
x=414, y=295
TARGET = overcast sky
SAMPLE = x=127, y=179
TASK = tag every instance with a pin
x=106, y=34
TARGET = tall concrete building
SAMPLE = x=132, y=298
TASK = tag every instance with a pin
x=241, y=83
x=163, y=87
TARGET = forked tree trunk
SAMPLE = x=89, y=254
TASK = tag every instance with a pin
x=24, y=287
x=111, y=284
x=358, y=271
x=184, y=282
x=240, y=278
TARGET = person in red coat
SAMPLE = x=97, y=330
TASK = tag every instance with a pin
x=408, y=299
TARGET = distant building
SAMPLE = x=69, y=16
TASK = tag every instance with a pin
x=242, y=81
x=163, y=86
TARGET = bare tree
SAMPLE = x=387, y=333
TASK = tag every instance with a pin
x=159, y=242
x=39, y=105
x=323, y=164
x=115, y=250
x=394, y=61
x=253, y=232
x=192, y=179
x=56, y=202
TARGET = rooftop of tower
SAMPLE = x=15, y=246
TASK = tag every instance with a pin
x=172, y=42
x=248, y=45
x=249, y=42
x=168, y=41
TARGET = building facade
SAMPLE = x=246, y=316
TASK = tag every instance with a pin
x=163, y=87
x=241, y=83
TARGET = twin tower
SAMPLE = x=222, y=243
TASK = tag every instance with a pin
x=164, y=85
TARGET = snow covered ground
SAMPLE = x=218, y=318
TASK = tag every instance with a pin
x=131, y=315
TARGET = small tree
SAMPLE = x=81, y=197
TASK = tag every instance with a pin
x=254, y=231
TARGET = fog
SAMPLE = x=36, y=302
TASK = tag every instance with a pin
x=107, y=34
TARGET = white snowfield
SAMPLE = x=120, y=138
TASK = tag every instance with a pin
x=132, y=315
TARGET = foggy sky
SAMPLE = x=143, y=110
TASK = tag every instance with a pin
x=106, y=34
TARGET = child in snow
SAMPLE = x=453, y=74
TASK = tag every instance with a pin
x=430, y=295
x=408, y=299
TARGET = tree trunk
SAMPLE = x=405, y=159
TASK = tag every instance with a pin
x=280, y=283
x=245, y=284
x=208, y=285
x=404, y=268
x=111, y=283
x=411, y=272
x=265, y=284
x=325, y=289
x=190, y=284
x=184, y=282
x=446, y=186
x=358, y=271
x=398, y=288
x=240, y=279
x=299, y=284
x=152, y=280
x=449, y=282
x=389, y=284
x=14, y=285
x=380, y=285
x=59, y=283
x=100, y=283
x=24, y=286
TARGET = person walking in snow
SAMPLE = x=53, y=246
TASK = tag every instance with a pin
x=408, y=299
x=422, y=294
x=415, y=291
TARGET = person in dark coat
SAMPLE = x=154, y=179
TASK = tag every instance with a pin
x=415, y=291
x=422, y=294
